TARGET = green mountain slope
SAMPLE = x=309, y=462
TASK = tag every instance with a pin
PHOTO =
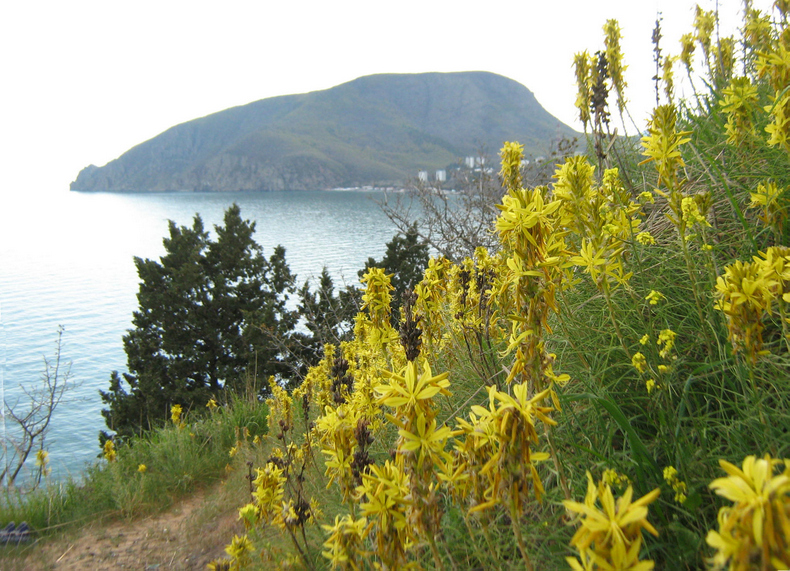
x=375, y=130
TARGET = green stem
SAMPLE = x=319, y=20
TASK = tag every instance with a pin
x=489, y=542
x=695, y=292
x=435, y=552
x=782, y=316
x=557, y=464
x=610, y=306
x=514, y=522
x=477, y=553
x=307, y=562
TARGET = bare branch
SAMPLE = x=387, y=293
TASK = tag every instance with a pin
x=31, y=416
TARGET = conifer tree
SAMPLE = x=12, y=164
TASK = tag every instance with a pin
x=207, y=310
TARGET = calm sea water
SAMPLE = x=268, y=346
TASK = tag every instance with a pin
x=67, y=259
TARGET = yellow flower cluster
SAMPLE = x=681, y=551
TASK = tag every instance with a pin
x=662, y=145
x=614, y=57
x=376, y=301
x=498, y=447
x=602, y=217
x=239, y=550
x=109, y=451
x=754, y=533
x=611, y=477
x=739, y=104
x=610, y=536
x=639, y=362
x=385, y=489
x=704, y=25
x=269, y=486
x=774, y=64
x=772, y=202
x=679, y=486
x=344, y=546
x=748, y=293
x=666, y=340
x=583, y=66
x=175, y=415
x=280, y=418
x=336, y=430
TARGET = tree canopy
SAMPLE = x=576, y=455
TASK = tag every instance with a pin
x=208, y=310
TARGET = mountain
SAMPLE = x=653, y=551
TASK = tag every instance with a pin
x=375, y=130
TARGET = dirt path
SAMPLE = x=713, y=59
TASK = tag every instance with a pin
x=176, y=539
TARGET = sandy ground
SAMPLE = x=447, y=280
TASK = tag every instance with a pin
x=176, y=539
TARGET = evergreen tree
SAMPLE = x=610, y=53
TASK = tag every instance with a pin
x=327, y=317
x=207, y=309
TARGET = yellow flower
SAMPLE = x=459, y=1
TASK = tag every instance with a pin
x=647, y=197
x=269, y=489
x=650, y=385
x=109, y=451
x=645, y=339
x=175, y=413
x=42, y=457
x=687, y=50
x=690, y=212
x=249, y=515
x=220, y=565
x=212, y=405
x=614, y=57
x=679, y=486
x=590, y=258
x=408, y=391
x=614, y=529
x=755, y=531
x=427, y=440
x=654, y=297
x=663, y=369
x=511, y=154
x=667, y=339
x=385, y=488
x=740, y=98
x=142, y=468
x=639, y=362
x=645, y=238
x=612, y=478
x=239, y=549
x=663, y=143
x=344, y=545
x=583, y=67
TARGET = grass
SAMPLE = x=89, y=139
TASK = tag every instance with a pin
x=178, y=460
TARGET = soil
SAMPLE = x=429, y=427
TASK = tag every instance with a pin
x=182, y=538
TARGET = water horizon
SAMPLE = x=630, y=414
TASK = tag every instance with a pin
x=67, y=260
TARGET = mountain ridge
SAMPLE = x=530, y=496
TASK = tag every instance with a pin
x=374, y=130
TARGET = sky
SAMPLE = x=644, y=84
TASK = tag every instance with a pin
x=83, y=81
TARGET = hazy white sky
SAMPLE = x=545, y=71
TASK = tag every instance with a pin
x=83, y=81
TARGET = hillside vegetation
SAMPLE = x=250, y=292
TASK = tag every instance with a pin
x=607, y=389
x=375, y=130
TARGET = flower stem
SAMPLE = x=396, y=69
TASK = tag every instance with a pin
x=519, y=538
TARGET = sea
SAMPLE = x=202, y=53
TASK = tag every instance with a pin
x=66, y=260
